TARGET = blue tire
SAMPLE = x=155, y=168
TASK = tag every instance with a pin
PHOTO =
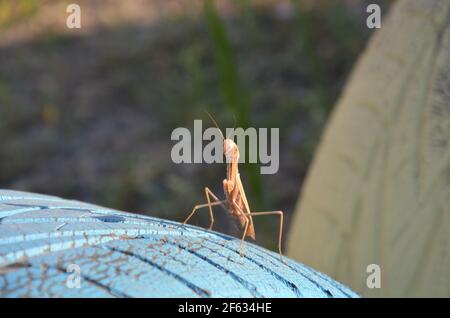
x=52, y=247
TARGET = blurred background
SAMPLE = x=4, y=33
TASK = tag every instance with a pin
x=87, y=113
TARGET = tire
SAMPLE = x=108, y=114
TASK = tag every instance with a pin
x=378, y=191
x=48, y=245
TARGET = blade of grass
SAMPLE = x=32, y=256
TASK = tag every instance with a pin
x=236, y=97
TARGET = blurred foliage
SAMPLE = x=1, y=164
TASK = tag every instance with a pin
x=16, y=10
x=90, y=116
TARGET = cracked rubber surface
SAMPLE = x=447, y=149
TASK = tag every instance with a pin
x=127, y=255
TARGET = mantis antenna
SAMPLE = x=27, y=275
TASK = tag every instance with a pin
x=215, y=123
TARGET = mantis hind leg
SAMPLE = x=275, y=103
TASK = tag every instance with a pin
x=247, y=221
x=280, y=234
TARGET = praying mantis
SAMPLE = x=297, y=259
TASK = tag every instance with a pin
x=235, y=202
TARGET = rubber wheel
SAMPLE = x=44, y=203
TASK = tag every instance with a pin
x=50, y=246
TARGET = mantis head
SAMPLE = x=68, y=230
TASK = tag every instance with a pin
x=230, y=150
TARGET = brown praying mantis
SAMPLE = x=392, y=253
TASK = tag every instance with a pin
x=235, y=202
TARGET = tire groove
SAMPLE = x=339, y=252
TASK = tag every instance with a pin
x=316, y=274
x=49, y=199
x=99, y=232
x=326, y=291
x=83, y=219
x=249, y=286
x=111, y=290
x=299, y=271
x=31, y=208
x=197, y=290
x=149, y=220
x=14, y=256
x=286, y=282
